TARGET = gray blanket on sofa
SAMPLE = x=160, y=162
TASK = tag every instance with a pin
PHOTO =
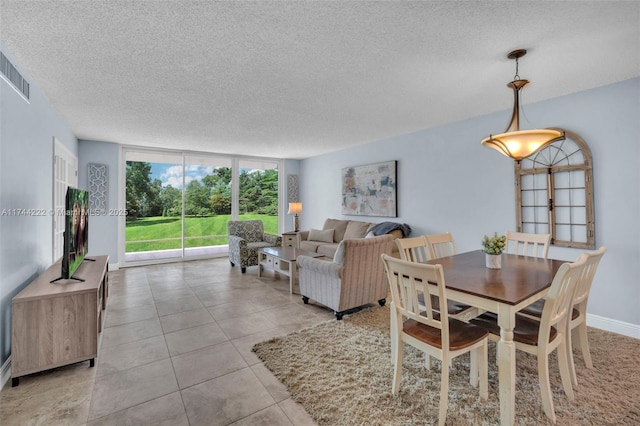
x=386, y=227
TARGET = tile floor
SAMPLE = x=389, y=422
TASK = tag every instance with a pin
x=175, y=350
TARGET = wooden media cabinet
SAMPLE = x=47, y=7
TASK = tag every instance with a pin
x=55, y=324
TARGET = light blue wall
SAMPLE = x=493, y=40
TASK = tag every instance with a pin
x=103, y=228
x=448, y=182
x=26, y=182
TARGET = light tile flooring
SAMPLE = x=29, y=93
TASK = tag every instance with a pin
x=175, y=350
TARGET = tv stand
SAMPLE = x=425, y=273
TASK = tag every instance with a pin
x=55, y=325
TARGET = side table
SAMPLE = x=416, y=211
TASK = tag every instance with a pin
x=290, y=239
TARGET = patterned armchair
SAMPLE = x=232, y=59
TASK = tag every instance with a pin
x=246, y=237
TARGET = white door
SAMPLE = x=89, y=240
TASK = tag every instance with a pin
x=65, y=173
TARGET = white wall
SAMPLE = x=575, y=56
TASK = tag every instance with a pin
x=448, y=182
x=27, y=130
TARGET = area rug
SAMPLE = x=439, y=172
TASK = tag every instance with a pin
x=341, y=371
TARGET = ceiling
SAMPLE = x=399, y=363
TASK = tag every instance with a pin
x=298, y=79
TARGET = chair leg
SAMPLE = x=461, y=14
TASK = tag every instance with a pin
x=570, y=362
x=232, y=264
x=473, y=367
x=444, y=392
x=397, y=366
x=483, y=370
x=565, y=373
x=545, y=387
x=584, y=344
x=244, y=269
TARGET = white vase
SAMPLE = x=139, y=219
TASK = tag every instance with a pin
x=493, y=261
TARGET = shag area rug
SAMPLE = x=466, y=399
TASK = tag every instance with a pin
x=341, y=371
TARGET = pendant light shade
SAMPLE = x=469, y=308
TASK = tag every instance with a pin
x=516, y=143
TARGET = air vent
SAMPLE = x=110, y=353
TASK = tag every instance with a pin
x=13, y=76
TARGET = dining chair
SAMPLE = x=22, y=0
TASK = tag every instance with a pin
x=441, y=245
x=528, y=244
x=431, y=330
x=578, y=321
x=541, y=338
x=414, y=249
x=418, y=249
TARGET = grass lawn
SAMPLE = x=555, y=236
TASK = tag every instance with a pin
x=163, y=233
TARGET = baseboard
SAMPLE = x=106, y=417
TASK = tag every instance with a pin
x=5, y=372
x=615, y=326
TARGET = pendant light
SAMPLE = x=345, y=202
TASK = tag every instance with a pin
x=516, y=143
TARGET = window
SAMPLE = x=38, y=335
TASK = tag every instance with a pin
x=178, y=204
x=554, y=193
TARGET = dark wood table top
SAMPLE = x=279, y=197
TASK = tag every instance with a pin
x=520, y=277
x=288, y=253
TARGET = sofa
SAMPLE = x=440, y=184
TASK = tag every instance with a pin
x=325, y=241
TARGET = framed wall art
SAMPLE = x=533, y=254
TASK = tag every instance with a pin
x=370, y=190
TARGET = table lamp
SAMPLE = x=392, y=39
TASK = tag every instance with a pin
x=294, y=209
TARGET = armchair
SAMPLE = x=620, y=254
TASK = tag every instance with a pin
x=246, y=237
x=354, y=278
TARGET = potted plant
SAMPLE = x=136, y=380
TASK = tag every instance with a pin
x=493, y=248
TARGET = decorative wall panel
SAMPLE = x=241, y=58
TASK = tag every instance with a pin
x=98, y=188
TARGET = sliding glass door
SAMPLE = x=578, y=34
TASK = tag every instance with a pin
x=258, y=193
x=207, y=204
x=179, y=204
x=153, y=228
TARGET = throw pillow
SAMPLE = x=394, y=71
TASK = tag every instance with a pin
x=339, y=225
x=325, y=236
x=356, y=229
x=339, y=256
x=370, y=235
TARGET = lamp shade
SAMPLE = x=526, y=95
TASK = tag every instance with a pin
x=295, y=208
x=516, y=143
x=523, y=143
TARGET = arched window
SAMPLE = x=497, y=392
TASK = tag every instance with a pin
x=554, y=193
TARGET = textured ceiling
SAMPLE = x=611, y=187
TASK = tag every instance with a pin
x=298, y=79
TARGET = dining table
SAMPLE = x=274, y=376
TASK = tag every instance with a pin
x=520, y=281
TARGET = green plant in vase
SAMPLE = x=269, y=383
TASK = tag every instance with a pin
x=493, y=247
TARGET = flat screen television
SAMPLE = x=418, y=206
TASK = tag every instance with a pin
x=76, y=232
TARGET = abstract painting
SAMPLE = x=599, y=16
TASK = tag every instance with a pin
x=369, y=190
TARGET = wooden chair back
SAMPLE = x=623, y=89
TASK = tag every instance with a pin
x=441, y=245
x=406, y=281
x=559, y=299
x=524, y=244
x=415, y=249
x=592, y=260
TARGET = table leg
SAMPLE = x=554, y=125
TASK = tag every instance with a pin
x=507, y=366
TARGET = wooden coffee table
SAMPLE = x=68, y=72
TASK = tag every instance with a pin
x=282, y=260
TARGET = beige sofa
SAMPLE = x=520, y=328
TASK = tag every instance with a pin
x=325, y=241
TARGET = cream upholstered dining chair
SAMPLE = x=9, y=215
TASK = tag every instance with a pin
x=541, y=338
x=418, y=249
x=578, y=314
x=536, y=245
x=432, y=332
